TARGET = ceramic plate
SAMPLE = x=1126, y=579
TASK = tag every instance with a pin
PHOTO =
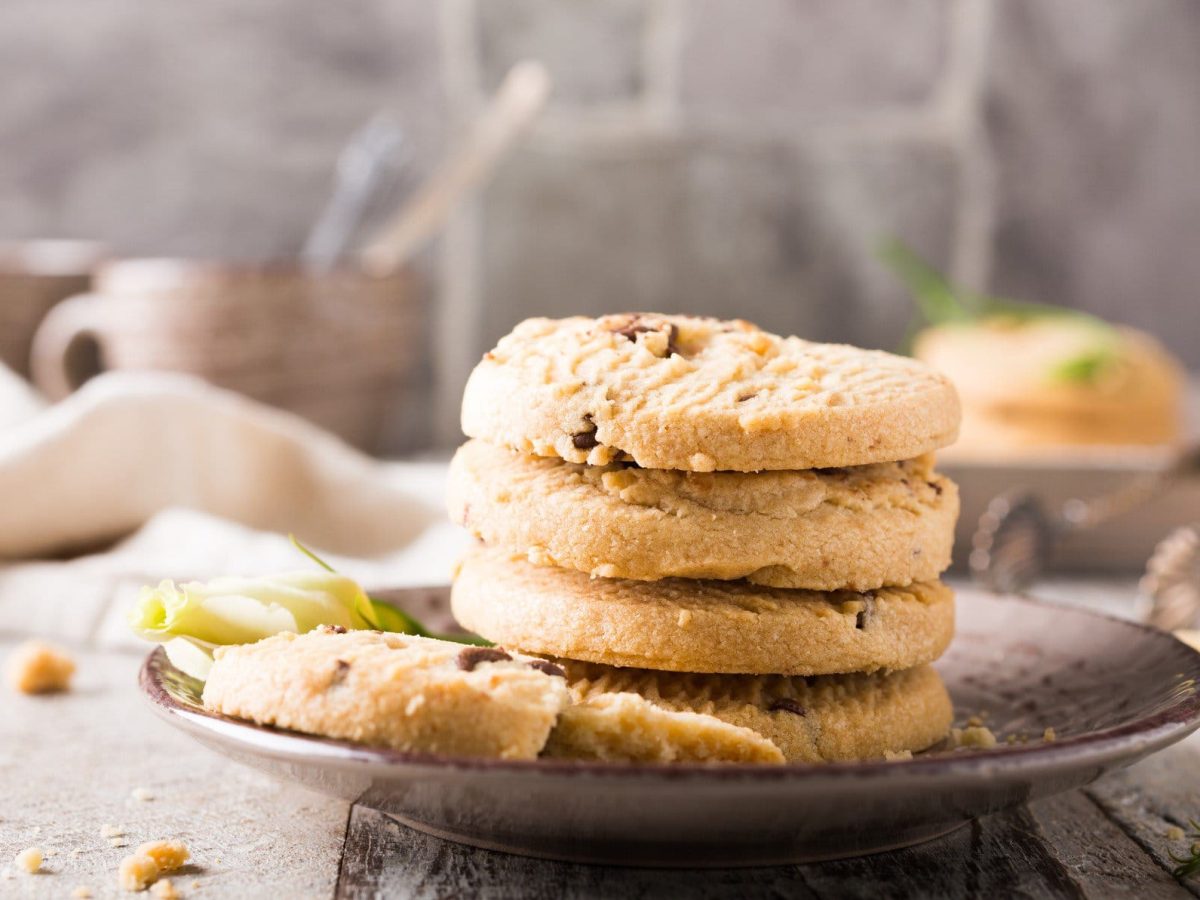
x=1111, y=690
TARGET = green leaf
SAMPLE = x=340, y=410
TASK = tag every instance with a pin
x=391, y=618
x=937, y=299
x=1086, y=367
x=941, y=302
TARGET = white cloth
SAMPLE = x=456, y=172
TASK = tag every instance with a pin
x=191, y=481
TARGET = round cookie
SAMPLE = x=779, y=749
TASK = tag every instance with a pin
x=626, y=727
x=827, y=719
x=858, y=528
x=677, y=392
x=698, y=626
x=391, y=690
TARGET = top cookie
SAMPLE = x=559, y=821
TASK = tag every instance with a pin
x=697, y=394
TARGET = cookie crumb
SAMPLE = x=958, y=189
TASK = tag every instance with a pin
x=117, y=842
x=896, y=757
x=82, y=892
x=164, y=890
x=167, y=855
x=136, y=873
x=111, y=831
x=29, y=860
x=1049, y=736
x=1174, y=833
x=975, y=722
x=973, y=736
x=36, y=667
x=141, y=794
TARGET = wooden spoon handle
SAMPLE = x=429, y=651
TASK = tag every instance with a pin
x=520, y=98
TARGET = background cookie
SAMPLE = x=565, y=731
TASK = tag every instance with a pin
x=698, y=626
x=676, y=392
x=626, y=727
x=391, y=690
x=859, y=528
x=826, y=719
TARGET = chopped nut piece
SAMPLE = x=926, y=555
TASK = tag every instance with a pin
x=29, y=860
x=136, y=872
x=1175, y=833
x=141, y=794
x=36, y=667
x=164, y=890
x=167, y=855
x=1049, y=736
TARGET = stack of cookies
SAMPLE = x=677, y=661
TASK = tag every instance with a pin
x=695, y=516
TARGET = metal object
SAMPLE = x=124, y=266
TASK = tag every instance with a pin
x=1015, y=538
x=1171, y=585
x=367, y=168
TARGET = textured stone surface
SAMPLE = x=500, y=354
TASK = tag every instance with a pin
x=593, y=48
x=819, y=57
x=69, y=763
x=1092, y=113
x=207, y=128
x=783, y=235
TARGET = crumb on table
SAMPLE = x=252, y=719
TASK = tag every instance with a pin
x=164, y=890
x=1174, y=833
x=82, y=892
x=29, y=860
x=141, y=794
x=889, y=756
x=167, y=855
x=1049, y=736
x=136, y=873
x=36, y=667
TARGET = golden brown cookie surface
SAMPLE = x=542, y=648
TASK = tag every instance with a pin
x=859, y=528
x=696, y=394
x=683, y=625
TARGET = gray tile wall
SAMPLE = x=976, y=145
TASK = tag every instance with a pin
x=727, y=158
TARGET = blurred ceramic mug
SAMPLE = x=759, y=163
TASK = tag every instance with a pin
x=335, y=347
x=34, y=277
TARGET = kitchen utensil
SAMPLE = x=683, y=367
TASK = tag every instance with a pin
x=369, y=163
x=1015, y=538
x=520, y=98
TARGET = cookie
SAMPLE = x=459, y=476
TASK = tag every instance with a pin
x=698, y=626
x=1057, y=381
x=626, y=727
x=825, y=719
x=677, y=392
x=859, y=528
x=391, y=690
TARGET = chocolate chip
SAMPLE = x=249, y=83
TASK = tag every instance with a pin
x=585, y=440
x=865, y=614
x=340, y=668
x=787, y=704
x=634, y=327
x=544, y=665
x=470, y=657
x=937, y=488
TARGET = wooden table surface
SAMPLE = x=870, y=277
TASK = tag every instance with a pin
x=71, y=764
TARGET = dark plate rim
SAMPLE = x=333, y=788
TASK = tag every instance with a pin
x=1138, y=737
